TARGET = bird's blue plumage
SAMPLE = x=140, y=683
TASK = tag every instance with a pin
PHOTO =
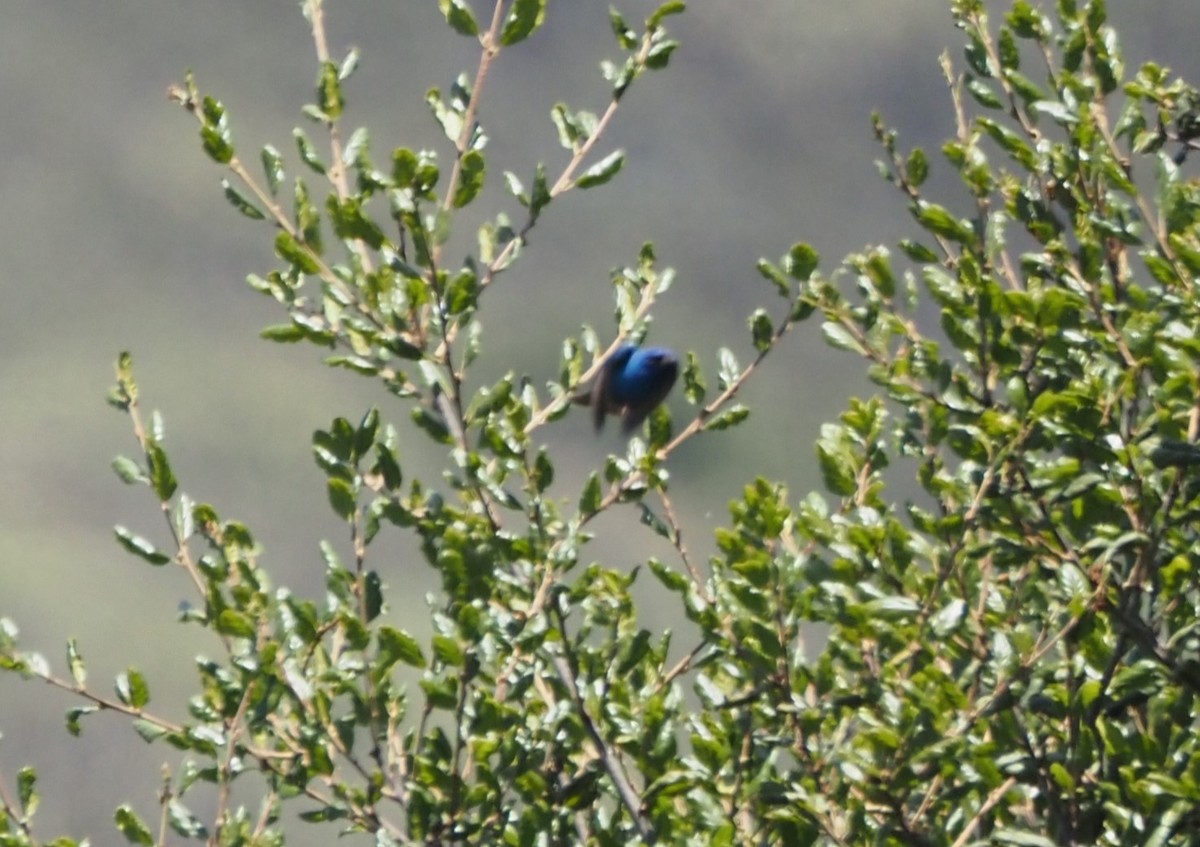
x=632, y=383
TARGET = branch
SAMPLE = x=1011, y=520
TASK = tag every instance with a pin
x=565, y=665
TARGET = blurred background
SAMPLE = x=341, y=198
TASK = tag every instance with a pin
x=114, y=235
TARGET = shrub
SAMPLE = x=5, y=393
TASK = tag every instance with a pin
x=1011, y=657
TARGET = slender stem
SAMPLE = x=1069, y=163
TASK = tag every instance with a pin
x=990, y=803
x=490, y=42
x=183, y=554
x=567, y=670
x=677, y=541
x=109, y=703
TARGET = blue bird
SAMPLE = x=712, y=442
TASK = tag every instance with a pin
x=632, y=383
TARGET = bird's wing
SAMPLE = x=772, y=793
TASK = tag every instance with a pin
x=600, y=395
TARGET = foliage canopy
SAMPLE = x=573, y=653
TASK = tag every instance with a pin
x=1012, y=659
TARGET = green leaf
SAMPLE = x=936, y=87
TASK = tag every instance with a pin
x=1161, y=269
x=396, y=646
x=440, y=227
x=75, y=664
x=239, y=202
x=660, y=52
x=405, y=167
x=212, y=111
x=1148, y=140
x=132, y=689
x=801, y=262
x=917, y=168
x=1010, y=55
x=838, y=468
x=660, y=427
x=471, y=176
x=349, y=64
x=671, y=7
x=650, y=519
x=292, y=252
x=129, y=471
x=458, y=14
x=589, y=499
x=139, y=546
x=602, y=171
x=838, y=336
x=342, y=497
x=1174, y=453
x=728, y=369
x=307, y=217
x=1025, y=21
x=983, y=94
x=162, y=479
x=131, y=826
x=938, y=220
x=216, y=145
x=574, y=128
x=308, y=153
x=184, y=822
x=626, y=37
x=373, y=603
x=728, y=418
x=441, y=693
x=543, y=471
x=802, y=309
x=272, y=163
x=1057, y=111
x=1013, y=144
x=324, y=814
x=147, y=730
x=386, y=462
x=633, y=651
x=329, y=91
x=896, y=607
x=1026, y=88
x=671, y=580
x=946, y=620
x=27, y=794
x=432, y=423
x=356, y=151
x=977, y=56
x=234, y=624
x=449, y=117
x=448, y=651
x=125, y=392
x=284, y=333
x=761, y=330
x=350, y=222
x=694, y=387
x=514, y=186
x=917, y=251
x=523, y=20
x=878, y=269
x=75, y=714
x=365, y=432
x=540, y=196
x=775, y=276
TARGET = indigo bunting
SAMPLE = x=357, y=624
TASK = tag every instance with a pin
x=632, y=383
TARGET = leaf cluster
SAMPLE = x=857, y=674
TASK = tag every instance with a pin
x=1011, y=657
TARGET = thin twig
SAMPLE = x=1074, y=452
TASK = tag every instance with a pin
x=677, y=541
x=565, y=665
x=992, y=799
